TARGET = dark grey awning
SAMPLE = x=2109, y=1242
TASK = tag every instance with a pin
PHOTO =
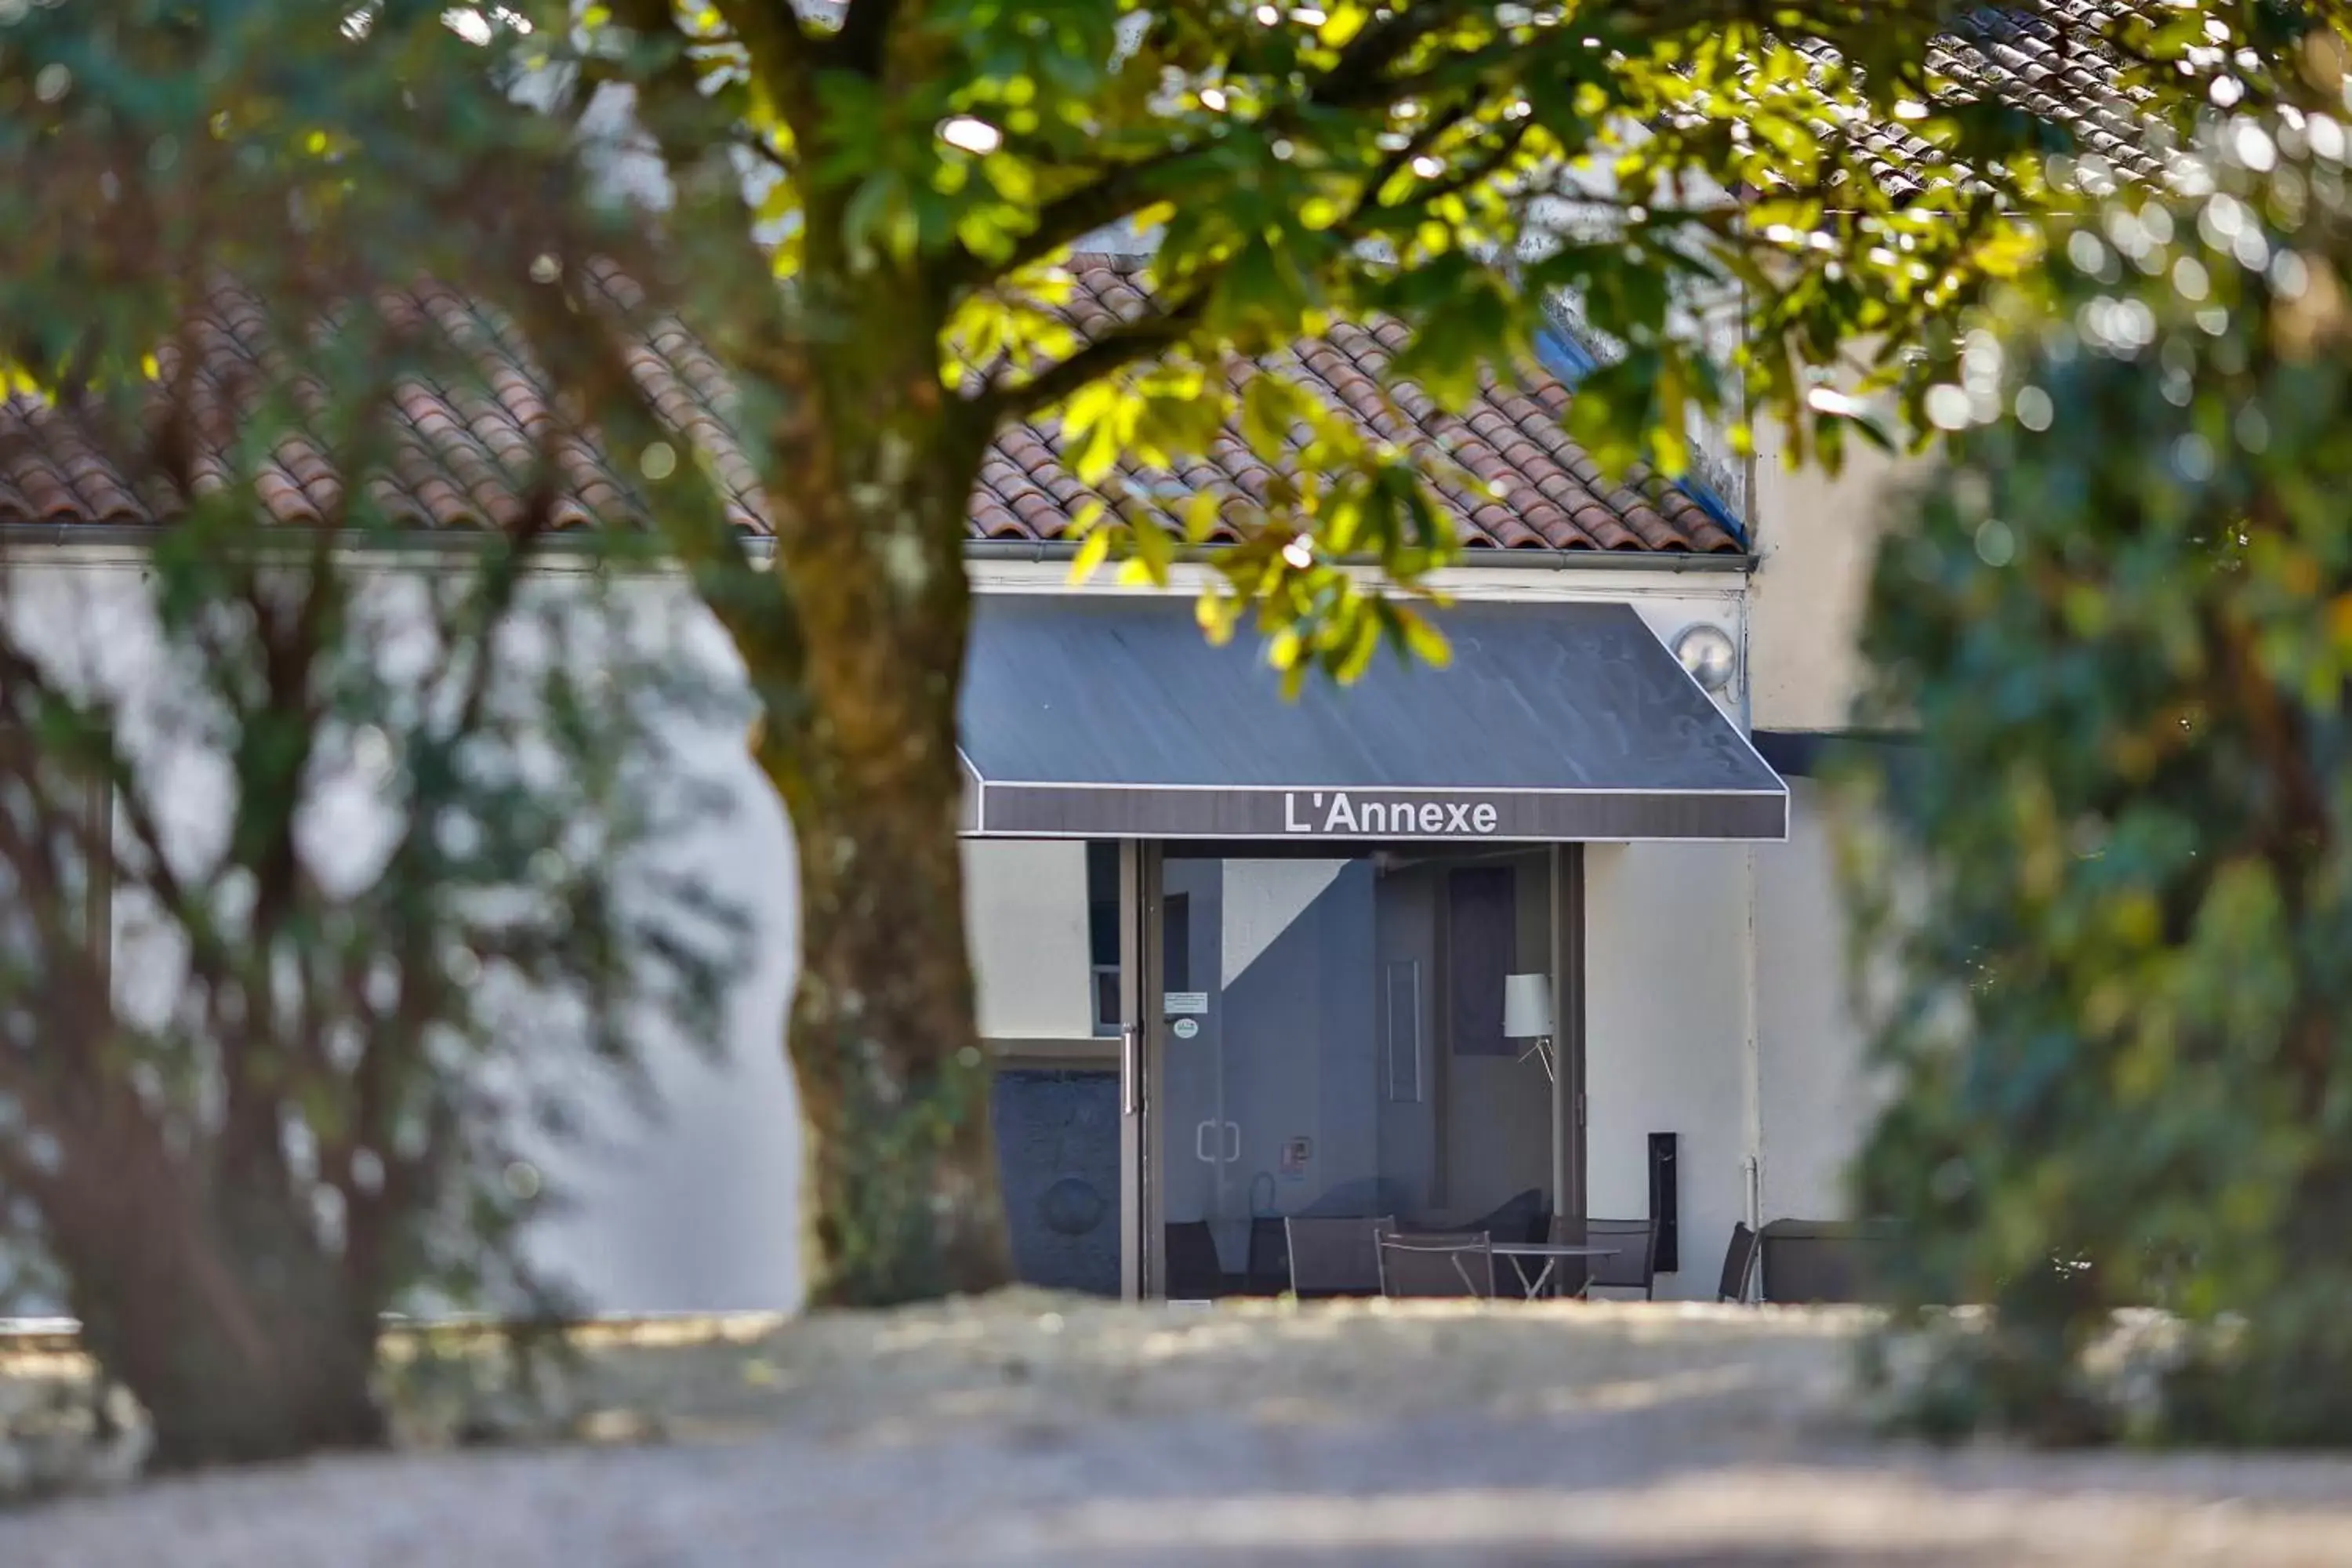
x=1110, y=716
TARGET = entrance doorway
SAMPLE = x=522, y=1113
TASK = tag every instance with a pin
x=1195, y=1042
x=1325, y=1034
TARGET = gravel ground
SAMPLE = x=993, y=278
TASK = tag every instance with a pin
x=1030, y=1430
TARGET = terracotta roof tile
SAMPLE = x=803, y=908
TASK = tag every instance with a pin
x=2046, y=57
x=463, y=451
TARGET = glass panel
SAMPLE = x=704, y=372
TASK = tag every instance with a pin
x=1106, y=999
x=1481, y=915
x=1176, y=944
x=1402, y=1025
x=1102, y=902
x=1044, y=928
x=1337, y=1050
x=1102, y=931
x=1057, y=1149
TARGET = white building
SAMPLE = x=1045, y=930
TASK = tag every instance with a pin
x=1240, y=961
x=1697, y=978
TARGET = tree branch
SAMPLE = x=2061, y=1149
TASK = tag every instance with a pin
x=1478, y=170
x=783, y=59
x=686, y=124
x=861, y=43
x=1375, y=48
x=20, y=673
x=1117, y=193
x=1104, y=355
x=1123, y=189
x=1390, y=167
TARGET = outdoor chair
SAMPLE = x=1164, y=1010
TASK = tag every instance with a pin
x=1567, y=1274
x=1194, y=1272
x=1443, y=1263
x=1335, y=1257
x=1738, y=1265
x=1266, y=1270
x=1633, y=1264
x=1812, y=1261
x=1522, y=1219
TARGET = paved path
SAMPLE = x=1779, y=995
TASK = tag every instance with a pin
x=1025, y=1436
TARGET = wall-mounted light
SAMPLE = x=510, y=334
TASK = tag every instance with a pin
x=1707, y=651
x=1527, y=1016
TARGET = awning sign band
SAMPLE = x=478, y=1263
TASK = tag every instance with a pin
x=1007, y=810
x=1383, y=817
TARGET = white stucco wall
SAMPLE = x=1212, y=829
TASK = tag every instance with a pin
x=1816, y=533
x=692, y=1209
x=696, y=1206
x=1816, y=1101
x=1025, y=910
x=1665, y=1039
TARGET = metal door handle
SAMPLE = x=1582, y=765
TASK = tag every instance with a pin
x=1201, y=1136
x=1130, y=1070
x=1234, y=1134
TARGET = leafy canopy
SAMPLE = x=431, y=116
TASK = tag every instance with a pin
x=2117, y=886
x=321, y=895
x=1737, y=195
x=1709, y=180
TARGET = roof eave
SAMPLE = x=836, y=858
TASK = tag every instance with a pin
x=578, y=543
x=1519, y=560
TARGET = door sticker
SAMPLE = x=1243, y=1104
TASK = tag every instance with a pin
x=1296, y=1153
x=1187, y=1027
x=1179, y=1004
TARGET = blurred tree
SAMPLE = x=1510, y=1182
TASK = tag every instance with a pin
x=1709, y=179
x=325, y=895
x=2117, y=883
x=322, y=891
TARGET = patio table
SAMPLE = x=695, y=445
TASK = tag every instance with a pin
x=1551, y=1252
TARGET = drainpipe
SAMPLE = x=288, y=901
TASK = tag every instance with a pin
x=1751, y=1055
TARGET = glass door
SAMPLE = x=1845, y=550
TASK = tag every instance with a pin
x=1325, y=1039
x=1258, y=1017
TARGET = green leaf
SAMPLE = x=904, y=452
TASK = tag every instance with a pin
x=1422, y=638
x=1271, y=407
x=1095, y=424
x=1094, y=547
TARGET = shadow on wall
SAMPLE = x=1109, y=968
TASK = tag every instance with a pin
x=692, y=1207
x=692, y=1203
x=686, y=1199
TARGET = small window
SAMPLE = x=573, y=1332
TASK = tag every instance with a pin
x=1102, y=904
x=1106, y=1020
x=1176, y=942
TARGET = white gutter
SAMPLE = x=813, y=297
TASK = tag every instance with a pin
x=579, y=541
x=1523, y=560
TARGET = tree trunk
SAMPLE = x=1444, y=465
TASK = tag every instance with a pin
x=901, y=1190
x=223, y=1315
x=213, y=1403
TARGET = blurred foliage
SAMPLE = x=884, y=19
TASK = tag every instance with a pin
x=331, y=893
x=2116, y=888
x=325, y=899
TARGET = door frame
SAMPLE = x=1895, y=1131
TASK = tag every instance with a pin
x=1142, y=1244
x=1143, y=1050
x=1570, y=1113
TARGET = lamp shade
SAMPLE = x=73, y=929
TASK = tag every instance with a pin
x=1527, y=1006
